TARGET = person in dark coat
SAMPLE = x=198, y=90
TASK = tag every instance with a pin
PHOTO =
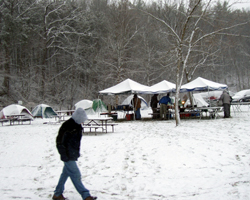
x=136, y=102
x=226, y=100
x=68, y=145
x=153, y=103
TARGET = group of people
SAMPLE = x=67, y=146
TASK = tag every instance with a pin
x=166, y=101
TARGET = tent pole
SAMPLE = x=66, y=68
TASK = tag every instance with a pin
x=98, y=106
x=133, y=105
x=208, y=96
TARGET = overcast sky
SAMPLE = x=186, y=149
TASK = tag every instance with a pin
x=238, y=4
x=244, y=4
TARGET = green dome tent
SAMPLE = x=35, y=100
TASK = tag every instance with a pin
x=99, y=106
x=92, y=107
x=43, y=111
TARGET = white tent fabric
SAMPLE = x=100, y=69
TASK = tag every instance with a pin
x=201, y=84
x=85, y=104
x=15, y=109
x=127, y=101
x=161, y=87
x=198, y=100
x=126, y=86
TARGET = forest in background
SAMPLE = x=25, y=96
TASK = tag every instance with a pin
x=59, y=52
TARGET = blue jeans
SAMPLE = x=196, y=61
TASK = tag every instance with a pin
x=71, y=170
x=138, y=114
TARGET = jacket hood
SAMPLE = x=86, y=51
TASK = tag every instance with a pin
x=79, y=116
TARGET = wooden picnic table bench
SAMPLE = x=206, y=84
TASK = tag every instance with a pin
x=98, y=123
x=4, y=120
x=19, y=118
x=25, y=119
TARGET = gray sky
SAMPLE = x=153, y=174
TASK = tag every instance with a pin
x=237, y=4
x=242, y=4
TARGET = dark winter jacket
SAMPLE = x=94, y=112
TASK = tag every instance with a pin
x=69, y=137
x=225, y=97
x=136, y=102
x=154, y=101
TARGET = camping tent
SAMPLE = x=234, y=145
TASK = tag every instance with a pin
x=126, y=86
x=127, y=101
x=198, y=100
x=99, y=106
x=201, y=84
x=85, y=104
x=161, y=87
x=43, y=111
x=15, y=109
x=91, y=107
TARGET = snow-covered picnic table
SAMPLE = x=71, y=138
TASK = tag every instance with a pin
x=19, y=118
x=98, y=123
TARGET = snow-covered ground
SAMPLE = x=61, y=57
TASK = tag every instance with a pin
x=149, y=160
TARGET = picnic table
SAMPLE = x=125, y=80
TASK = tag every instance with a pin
x=191, y=112
x=61, y=114
x=199, y=111
x=98, y=123
x=19, y=118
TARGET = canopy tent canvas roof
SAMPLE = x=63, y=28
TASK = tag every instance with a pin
x=127, y=101
x=161, y=87
x=201, y=84
x=126, y=86
x=43, y=111
x=15, y=109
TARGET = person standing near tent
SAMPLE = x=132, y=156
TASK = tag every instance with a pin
x=164, y=101
x=153, y=103
x=226, y=100
x=136, y=102
x=68, y=145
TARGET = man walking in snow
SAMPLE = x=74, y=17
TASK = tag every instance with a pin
x=68, y=145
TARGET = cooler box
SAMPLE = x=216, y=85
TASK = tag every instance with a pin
x=114, y=116
x=129, y=117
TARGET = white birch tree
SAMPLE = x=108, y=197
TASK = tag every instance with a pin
x=188, y=39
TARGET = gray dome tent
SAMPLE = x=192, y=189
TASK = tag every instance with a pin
x=43, y=111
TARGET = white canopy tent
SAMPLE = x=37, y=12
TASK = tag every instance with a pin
x=126, y=86
x=201, y=84
x=161, y=87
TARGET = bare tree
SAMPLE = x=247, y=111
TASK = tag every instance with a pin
x=189, y=37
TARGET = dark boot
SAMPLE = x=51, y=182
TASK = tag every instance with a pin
x=91, y=198
x=60, y=197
